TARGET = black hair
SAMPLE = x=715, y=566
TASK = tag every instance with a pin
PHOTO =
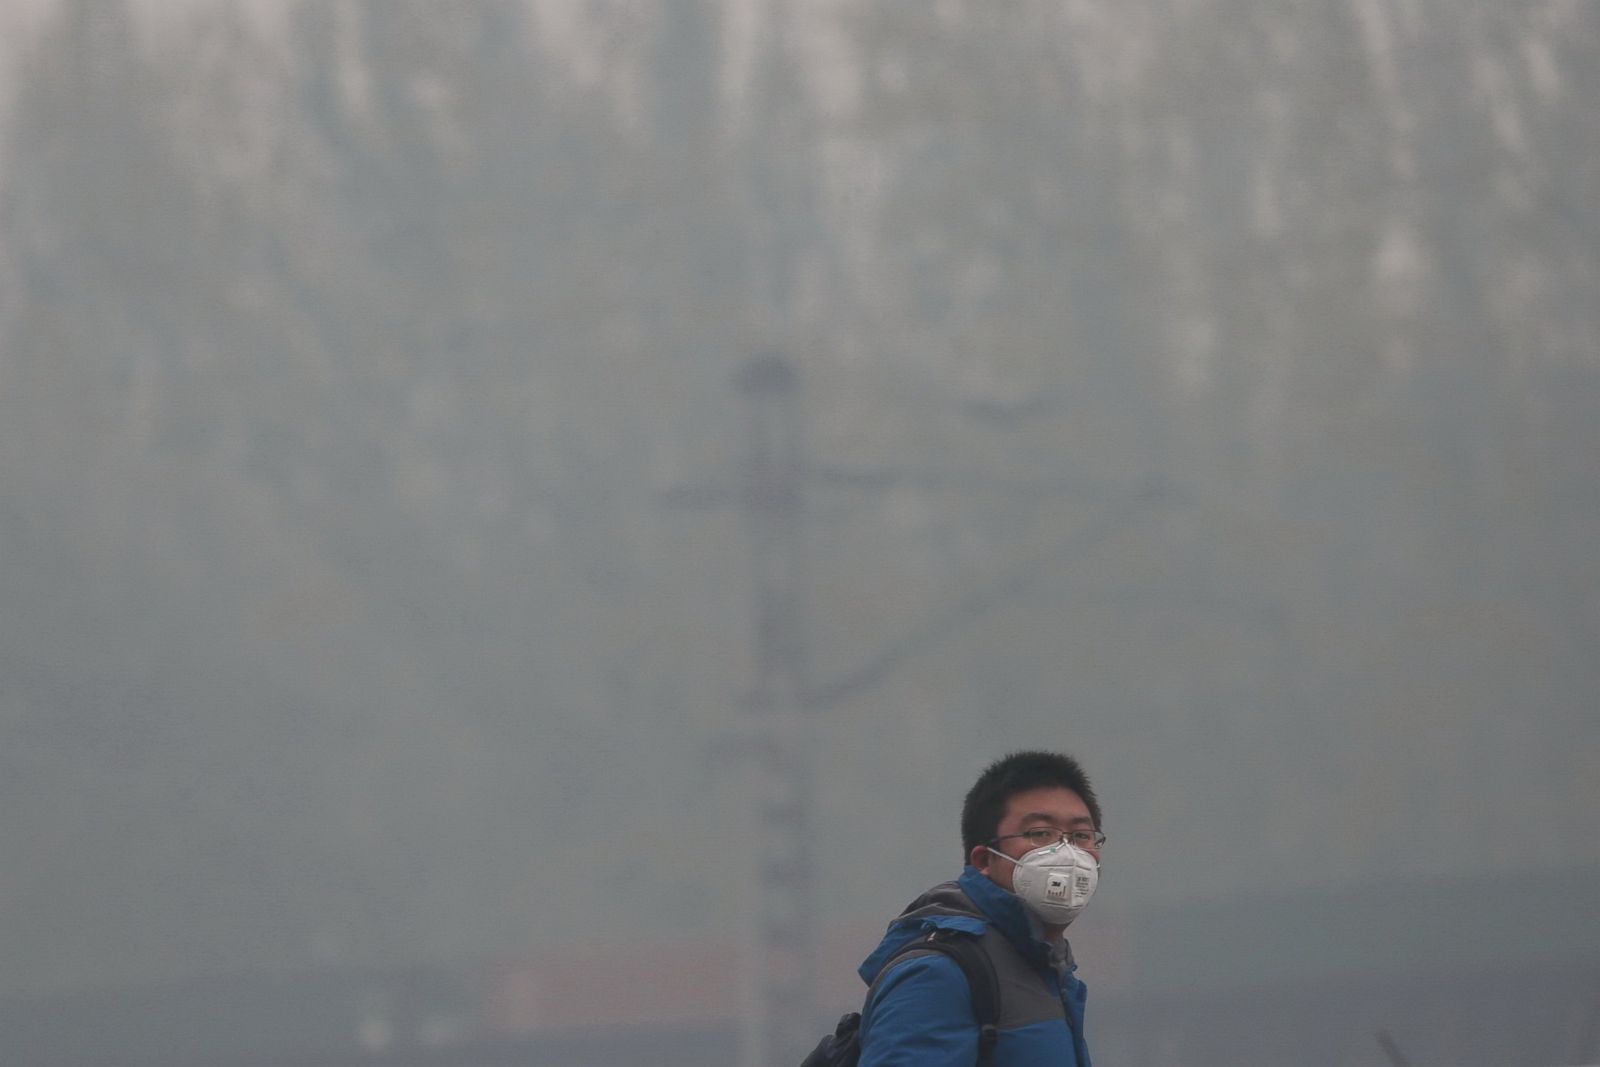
x=1017, y=773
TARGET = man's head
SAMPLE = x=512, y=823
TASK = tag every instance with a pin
x=1023, y=791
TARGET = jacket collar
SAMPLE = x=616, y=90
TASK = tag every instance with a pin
x=1005, y=910
x=970, y=904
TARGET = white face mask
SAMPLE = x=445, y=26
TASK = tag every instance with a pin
x=1055, y=882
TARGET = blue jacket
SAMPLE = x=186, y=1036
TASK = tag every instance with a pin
x=919, y=1011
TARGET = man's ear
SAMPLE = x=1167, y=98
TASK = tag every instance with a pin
x=980, y=858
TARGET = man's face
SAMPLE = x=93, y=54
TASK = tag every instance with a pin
x=1046, y=806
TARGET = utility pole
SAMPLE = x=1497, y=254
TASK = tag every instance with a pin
x=772, y=494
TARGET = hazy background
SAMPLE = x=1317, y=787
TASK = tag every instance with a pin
x=1206, y=387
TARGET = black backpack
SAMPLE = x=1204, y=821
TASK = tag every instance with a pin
x=842, y=1048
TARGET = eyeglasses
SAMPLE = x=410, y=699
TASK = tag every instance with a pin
x=1045, y=836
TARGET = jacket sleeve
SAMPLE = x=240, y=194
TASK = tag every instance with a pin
x=919, y=1014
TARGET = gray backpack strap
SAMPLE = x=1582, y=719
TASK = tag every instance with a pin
x=973, y=959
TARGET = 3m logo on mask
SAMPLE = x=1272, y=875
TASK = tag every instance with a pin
x=1064, y=886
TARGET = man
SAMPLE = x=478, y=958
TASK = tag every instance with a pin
x=1030, y=835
